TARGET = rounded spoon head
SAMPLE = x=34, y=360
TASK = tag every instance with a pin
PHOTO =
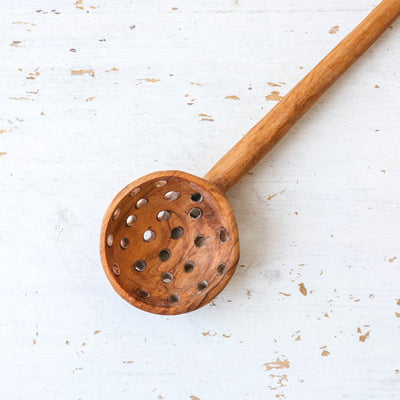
x=169, y=242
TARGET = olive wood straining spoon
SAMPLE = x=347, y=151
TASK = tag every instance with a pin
x=169, y=240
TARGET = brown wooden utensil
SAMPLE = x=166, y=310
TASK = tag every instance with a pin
x=169, y=241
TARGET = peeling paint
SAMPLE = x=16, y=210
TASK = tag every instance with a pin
x=83, y=72
x=277, y=364
x=334, y=29
x=152, y=80
x=16, y=43
x=303, y=289
x=274, y=96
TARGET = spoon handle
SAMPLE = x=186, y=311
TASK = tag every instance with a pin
x=266, y=133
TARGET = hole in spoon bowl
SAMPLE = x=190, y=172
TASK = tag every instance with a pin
x=140, y=265
x=202, y=285
x=223, y=235
x=197, y=197
x=195, y=213
x=149, y=236
x=116, y=214
x=189, y=266
x=124, y=243
x=172, y=196
x=163, y=215
x=174, y=298
x=221, y=269
x=177, y=232
x=134, y=191
x=130, y=220
x=199, y=240
x=110, y=240
x=167, y=277
x=143, y=293
x=160, y=183
x=141, y=203
x=164, y=255
x=116, y=270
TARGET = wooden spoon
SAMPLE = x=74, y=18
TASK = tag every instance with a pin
x=169, y=240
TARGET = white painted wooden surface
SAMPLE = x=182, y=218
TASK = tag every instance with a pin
x=323, y=209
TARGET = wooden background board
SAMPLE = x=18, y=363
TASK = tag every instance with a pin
x=95, y=94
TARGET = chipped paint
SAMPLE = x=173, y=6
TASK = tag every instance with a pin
x=83, y=72
x=79, y=4
x=209, y=334
x=334, y=29
x=281, y=379
x=16, y=43
x=233, y=97
x=274, y=96
x=206, y=117
x=151, y=80
x=303, y=289
x=364, y=337
x=277, y=364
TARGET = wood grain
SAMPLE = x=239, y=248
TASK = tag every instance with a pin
x=173, y=262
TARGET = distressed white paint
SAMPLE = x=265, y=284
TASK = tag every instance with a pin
x=63, y=168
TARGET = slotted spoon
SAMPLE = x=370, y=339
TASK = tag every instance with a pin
x=169, y=241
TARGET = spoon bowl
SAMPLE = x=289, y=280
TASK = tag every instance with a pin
x=169, y=242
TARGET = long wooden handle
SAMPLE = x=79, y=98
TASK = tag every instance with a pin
x=267, y=133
